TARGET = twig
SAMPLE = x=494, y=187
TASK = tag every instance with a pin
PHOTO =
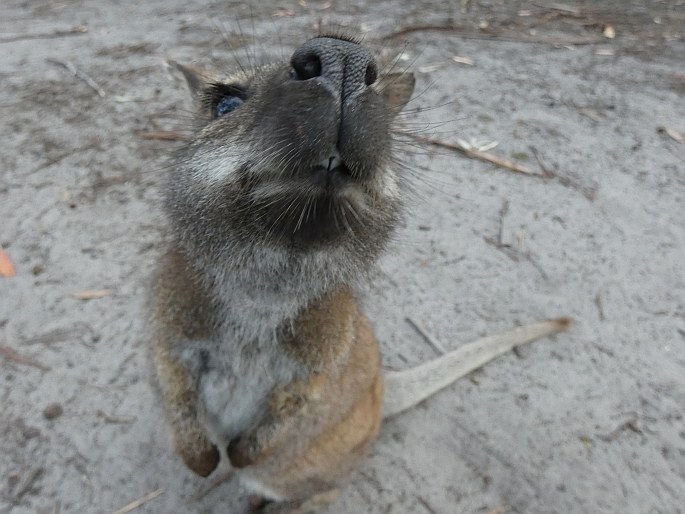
x=373, y=481
x=79, y=74
x=62, y=156
x=593, y=114
x=28, y=484
x=115, y=419
x=76, y=31
x=429, y=338
x=426, y=505
x=477, y=154
x=605, y=351
x=162, y=135
x=507, y=250
x=567, y=9
x=514, y=255
x=600, y=307
x=59, y=335
x=468, y=150
x=498, y=161
x=588, y=192
x=631, y=424
x=13, y=356
x=502, y=213
x=91, y=294
x=135, y=504
x=546, y=171
x=460, y=32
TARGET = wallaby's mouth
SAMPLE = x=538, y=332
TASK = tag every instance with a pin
x=327, y=175
x=331, y=172
x=332, y=162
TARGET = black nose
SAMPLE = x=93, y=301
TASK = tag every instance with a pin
x=347, y=66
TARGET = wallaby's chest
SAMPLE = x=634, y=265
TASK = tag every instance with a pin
x=234, y=385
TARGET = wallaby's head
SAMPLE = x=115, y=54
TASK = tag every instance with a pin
x=295, y=155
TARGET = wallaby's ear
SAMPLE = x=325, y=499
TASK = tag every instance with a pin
x=197, y=78
x=397, y=88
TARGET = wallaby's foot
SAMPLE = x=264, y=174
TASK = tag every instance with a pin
x=406, y=388
x=198, y=453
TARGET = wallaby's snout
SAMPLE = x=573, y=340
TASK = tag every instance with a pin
x=344, y=66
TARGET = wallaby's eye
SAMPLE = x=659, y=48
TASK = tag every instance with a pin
x=220, y=99
x=227, y=104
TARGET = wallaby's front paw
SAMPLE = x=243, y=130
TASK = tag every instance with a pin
x=247, y=450
x=242, y=452
x=203, y=462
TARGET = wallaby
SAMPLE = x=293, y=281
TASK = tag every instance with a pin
x=279, y=207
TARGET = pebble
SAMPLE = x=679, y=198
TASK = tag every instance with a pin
x=52, y=411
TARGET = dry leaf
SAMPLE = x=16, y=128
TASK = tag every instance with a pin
x=430, y=67
x=91, y=295
x=672, y=133
x=282, y=13
x=564, y=8
x=6, y=266
x=9, y=354
x=609, y=32
x=463, y=60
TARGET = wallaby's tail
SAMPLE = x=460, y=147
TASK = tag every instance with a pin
x=404, y=389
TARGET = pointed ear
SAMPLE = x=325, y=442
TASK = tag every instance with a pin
x=197, y=78
x=397, y=88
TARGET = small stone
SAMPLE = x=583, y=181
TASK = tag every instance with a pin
x=52, y=411
x=12, y=481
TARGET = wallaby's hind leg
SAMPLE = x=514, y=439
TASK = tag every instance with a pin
x=404, y=389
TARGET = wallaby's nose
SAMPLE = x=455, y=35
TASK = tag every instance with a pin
x=347, y=66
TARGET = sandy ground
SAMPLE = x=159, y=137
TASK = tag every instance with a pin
x=590, y=421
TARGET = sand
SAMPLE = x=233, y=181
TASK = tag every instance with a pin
x=588, y=421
